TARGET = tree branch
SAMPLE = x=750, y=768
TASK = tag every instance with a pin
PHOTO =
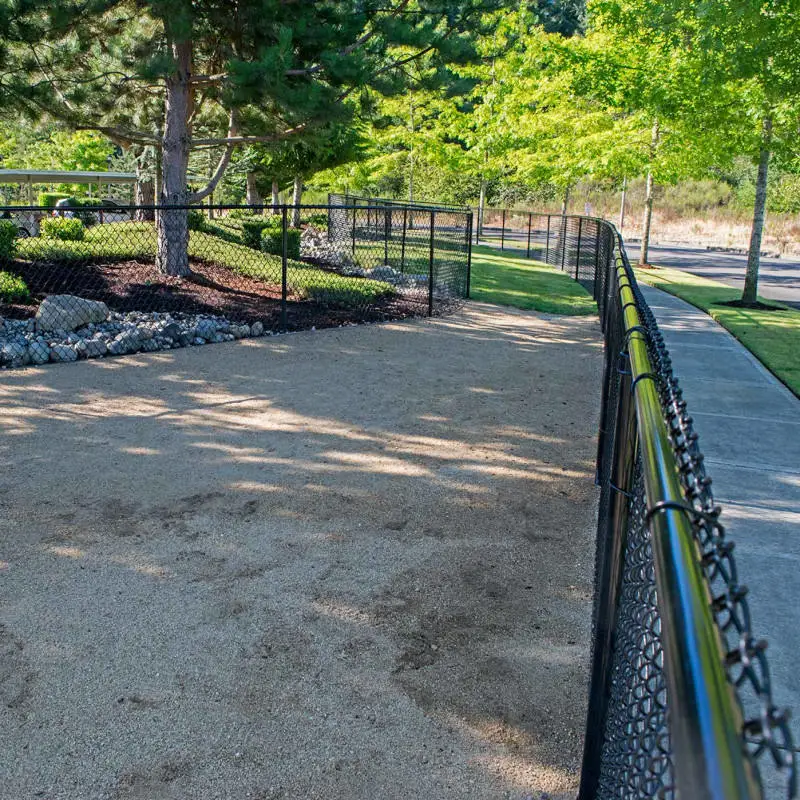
x=196, y=197
x=237, y=140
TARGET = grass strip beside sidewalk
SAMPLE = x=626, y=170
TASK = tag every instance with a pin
x=773, y=337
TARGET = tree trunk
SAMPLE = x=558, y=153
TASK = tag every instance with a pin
x=565, y=202
x=648, y=200
x=297, y=196
x=647, y=222
x=172, y=225
x=622, y=204
x=481, y=207
x=145, y=188
x=276, y=199
x=750, y=293
x=411, y=156
x=252, y=197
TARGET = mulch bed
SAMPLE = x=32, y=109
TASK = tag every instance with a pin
x=136, y=285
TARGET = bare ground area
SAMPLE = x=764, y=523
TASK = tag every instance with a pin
x=353, y=563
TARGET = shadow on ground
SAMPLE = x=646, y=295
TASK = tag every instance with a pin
x=339, y=564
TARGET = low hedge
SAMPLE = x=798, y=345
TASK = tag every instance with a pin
x=64, y=228
x=49, y=199
x=272, y=242
x=8, y=239
x=252, y=229
x=13, y=289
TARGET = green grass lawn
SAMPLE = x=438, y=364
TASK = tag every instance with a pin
x=124, y=240
x=772, y=336
x=509, y=280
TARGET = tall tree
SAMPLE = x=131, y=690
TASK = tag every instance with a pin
x=743, y=52
x=267, y=68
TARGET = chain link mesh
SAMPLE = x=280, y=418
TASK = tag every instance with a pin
x=174, y=276
x=629, y=753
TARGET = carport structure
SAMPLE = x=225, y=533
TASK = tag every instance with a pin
x=29, y=178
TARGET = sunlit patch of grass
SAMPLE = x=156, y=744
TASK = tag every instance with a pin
x=508, y=280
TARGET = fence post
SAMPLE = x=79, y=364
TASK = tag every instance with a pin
x=355, y=211
x=387, y=215
x=578, y=253
x=563, y=242
x=547, y=243
x=403, y=242
x=596, y=258
x=609, y=568
x=430, y=267
x=530, y=221
x=284, y=269
x=469, y=251
x=503, y=232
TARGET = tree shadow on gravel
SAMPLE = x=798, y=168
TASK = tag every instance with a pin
x=330, y=564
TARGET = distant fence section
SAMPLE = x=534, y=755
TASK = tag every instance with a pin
x=283, y=268
x=680, y=700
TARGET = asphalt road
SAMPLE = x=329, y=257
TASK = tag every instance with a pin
x=779, y=278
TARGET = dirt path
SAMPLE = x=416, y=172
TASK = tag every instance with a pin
x=345, y=564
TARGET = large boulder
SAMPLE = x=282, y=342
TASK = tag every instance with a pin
x=66, y=312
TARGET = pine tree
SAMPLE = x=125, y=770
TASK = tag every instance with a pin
x=266, y=70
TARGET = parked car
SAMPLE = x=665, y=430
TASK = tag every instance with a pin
x=27, y=222
x=105, y=210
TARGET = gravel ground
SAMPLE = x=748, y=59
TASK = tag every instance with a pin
x=353, y=563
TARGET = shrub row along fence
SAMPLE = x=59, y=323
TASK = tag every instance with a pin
x=680, y=697
x=297, y=268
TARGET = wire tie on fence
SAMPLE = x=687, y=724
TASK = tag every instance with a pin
x=675, y=505
x=651, y=375
x=636, y=329
x=621, y=491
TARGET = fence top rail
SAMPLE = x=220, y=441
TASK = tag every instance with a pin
x=713, y=663
x=386, y=201
x=268, y=207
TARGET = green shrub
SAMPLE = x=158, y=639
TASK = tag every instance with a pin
x=244, y=213
x=13, y=289
x=8, y=239
x=222, y=232
x=49, y=199
x=318, y=220
x=252, y=229
x=197, y=220
x=272, y=241
x=64, y=228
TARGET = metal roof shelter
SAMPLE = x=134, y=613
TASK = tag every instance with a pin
x=35, y=177
x=39, y=176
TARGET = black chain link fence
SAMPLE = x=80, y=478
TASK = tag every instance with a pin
x=176, y=275
x=681, y=699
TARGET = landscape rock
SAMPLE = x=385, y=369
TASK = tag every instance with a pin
x=14, y=352
x=95, y=348
x=126, y=342
x=67, y=312
x=22, y=343
x=39, y=351
x=63, y=352
x=316, y=245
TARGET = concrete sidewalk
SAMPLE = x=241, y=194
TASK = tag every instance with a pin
x=749, y=427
